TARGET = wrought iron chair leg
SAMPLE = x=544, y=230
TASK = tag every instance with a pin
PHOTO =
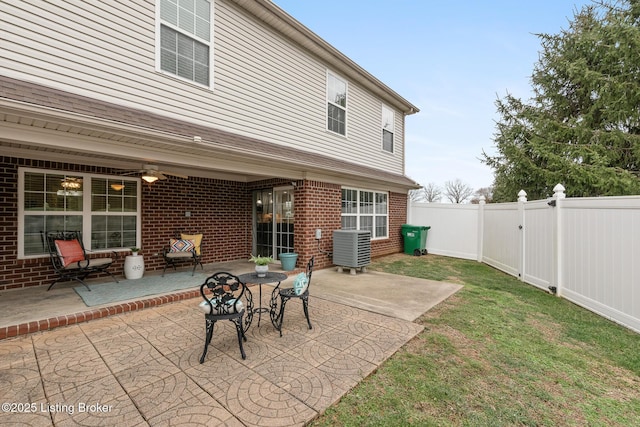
x=281, y=314
x=207, y=340
x=305, y=306
x=111, y=274
x=53, y=283
x=82, y=281
x=240, y=337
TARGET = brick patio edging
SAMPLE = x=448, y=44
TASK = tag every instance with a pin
x=71, y=319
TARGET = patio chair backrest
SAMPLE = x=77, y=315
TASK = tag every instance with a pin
x=225, y=299
x=50, y=239
x=223, y=294
x=310, y=268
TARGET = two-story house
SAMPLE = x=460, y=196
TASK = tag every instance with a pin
x=259, y=131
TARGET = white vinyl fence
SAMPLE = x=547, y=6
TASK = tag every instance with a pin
x=584, y=249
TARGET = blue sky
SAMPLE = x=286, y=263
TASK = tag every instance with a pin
x=452, y=59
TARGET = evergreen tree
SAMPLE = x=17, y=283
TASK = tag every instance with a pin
x=581, y=127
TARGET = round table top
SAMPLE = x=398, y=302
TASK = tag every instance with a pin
x=270, y=277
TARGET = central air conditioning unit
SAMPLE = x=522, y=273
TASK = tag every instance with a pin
x=352, y=248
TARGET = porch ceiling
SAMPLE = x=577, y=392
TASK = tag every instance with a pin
x=40, y=122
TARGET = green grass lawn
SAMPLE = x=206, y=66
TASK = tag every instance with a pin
x=498, y=353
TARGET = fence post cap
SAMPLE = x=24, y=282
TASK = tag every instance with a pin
x=522, y=196
x=558, y=191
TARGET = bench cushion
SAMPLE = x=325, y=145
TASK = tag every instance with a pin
x=206, y=308
x=90, y=263
x=186, y=255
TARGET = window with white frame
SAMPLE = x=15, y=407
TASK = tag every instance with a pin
x=388, y=128
x=105, y=209
x=185, y=39
x=365, y=210
x=336, y=104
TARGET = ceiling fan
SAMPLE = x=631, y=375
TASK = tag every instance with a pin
x=150, y=173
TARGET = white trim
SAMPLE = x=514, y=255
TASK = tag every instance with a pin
x=374, y=215
x=327, y=101
x=86, y=207
x=209, y=43
x=383, y=128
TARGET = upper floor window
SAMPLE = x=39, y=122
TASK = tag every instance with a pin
x=336, y=104
x=365, y=210
x=185, y=39
x=105, y=209
x=388, y=128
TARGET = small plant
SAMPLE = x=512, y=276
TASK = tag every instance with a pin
x=261, y=260
x=134, y=249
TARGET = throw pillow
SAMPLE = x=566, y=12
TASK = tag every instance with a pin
x=300, y=284
x=70, y=251
x=181, y=245
x=197, y=240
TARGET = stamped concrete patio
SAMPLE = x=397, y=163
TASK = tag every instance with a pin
x=142, y=367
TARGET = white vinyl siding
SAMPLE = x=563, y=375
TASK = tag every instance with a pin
x=107, y=50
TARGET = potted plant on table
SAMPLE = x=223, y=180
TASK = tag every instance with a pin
x=262, y=264
x=134, y=251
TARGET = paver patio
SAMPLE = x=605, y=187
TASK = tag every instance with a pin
x=142, y=368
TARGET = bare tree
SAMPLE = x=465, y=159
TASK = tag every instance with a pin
x=431, y=193
x=457, y=191
x=415, y=195
x=487, y=192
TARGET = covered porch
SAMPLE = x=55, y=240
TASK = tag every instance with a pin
x=245, y=195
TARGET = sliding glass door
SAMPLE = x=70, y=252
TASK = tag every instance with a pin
x=274, y=219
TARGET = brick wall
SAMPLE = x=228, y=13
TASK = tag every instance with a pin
x=397, y=217
x=9, y=270
x=221, y=210
x=318, y=205
x=14, y=272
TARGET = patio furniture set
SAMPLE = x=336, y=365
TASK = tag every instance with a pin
x=71, y=261
x=225, y=296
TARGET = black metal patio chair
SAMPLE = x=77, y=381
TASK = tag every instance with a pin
x=70, y=259
x=226, y=298
x=187, y=248
x=280, y=297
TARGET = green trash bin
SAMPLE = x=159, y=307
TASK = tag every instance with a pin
x=415, y=239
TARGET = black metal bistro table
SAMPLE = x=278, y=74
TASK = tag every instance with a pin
x=253, y=278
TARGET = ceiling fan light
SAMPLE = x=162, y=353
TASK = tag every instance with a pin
x=117, y=187
x=149, y=178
